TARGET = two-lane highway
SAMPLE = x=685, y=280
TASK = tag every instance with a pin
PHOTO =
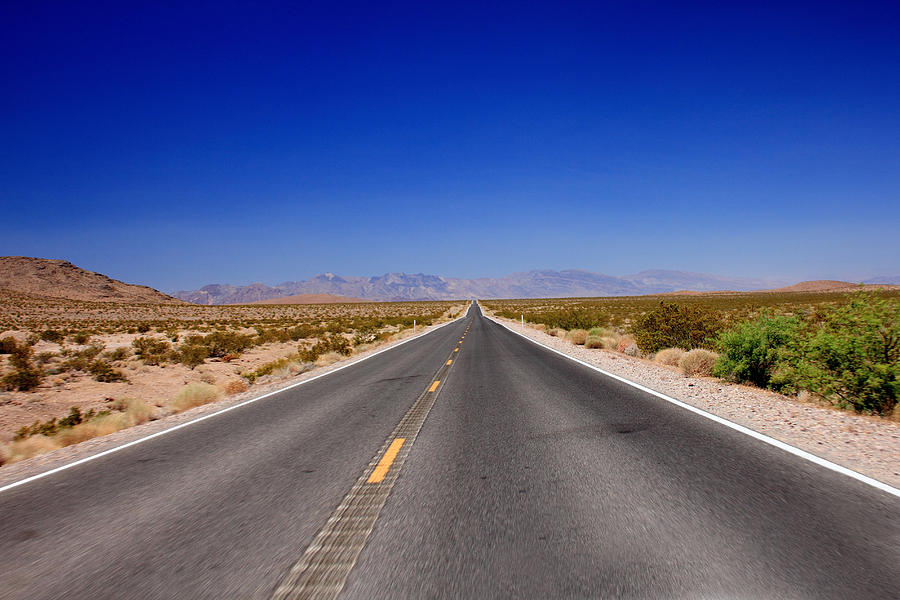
x=529, y=475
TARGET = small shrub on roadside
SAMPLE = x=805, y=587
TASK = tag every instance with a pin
x=577, y=336
x=119, y=354
x=29, y=447
x=593, y=341
x=752, y=351
x=852, y=356
x=138, y=411
x=623, y=342
x=195, y=394
x=669, y=356
x=236, y=386
x=54, y=425
x=610, y=342
x=698, y=362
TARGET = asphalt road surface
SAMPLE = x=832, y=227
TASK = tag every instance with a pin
x=531, y=477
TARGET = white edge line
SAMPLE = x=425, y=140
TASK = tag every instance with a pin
x=745, y=430
x=217, y=413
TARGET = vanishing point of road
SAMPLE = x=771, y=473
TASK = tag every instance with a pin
x=466, y=463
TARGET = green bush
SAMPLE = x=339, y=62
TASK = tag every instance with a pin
x=752, y=352
x=676, y=326
x=25, y=376
x=851, y=355
x=340, y=344
x=192, y=355
x=103, y=371
x=151, y=351
x=23, y=379
x=220, y=343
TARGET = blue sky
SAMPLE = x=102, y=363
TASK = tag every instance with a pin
x=235, y=142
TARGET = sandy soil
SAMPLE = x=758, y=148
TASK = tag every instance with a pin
x=155, y=384
x=868, y=445
x=19, y=470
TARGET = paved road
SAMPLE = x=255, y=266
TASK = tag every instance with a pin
x=532, y=476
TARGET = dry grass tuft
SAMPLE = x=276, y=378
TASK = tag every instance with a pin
x=195, y=394
x=97, y=427
x=556, y=332
x=236, y=386
x=30, y=446
x=609, y=342
x=329, y=358
x=594, y=341
x=623, y=342
x=698, y=362
x=669, y=356
x=577, y=337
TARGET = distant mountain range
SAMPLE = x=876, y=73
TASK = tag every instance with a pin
x=39, y=277
x=533, y=284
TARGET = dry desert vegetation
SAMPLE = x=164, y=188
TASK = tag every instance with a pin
x=75, y=369
x=821, y=343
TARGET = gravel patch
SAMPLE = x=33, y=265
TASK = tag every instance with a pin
x=13, y=472
x=867, y=445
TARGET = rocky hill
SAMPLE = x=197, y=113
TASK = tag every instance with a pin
x=62, y=279
x=830, y=285
x=531, y=284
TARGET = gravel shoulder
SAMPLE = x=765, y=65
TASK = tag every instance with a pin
x=867, y=445
x=16, y=471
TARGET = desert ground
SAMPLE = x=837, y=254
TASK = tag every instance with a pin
x=140, y=362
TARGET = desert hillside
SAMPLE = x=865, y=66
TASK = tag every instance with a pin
x=62, y=279
x=828, y=285
x=823, y=286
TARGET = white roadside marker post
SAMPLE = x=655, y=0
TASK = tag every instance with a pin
x=414, y=327
x=523, y=320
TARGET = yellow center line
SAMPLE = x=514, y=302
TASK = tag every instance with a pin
x=456, y=349
x=450, y=362
x=386, y=461
x=434, y=385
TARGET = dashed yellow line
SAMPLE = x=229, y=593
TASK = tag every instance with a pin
x=434, y=385
x=456, y=349
x=386, y=461
x=449, y=362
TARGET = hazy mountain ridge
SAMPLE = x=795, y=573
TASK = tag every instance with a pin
x=531, y=284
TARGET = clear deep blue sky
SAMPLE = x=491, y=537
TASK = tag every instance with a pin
x=235, y=142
